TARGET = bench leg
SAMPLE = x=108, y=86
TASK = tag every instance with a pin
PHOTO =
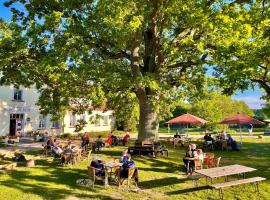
x=256, y=187
x=221, y=193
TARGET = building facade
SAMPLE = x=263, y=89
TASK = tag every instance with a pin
x=19, y=113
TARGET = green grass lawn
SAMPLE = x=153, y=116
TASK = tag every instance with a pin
x=161, y=178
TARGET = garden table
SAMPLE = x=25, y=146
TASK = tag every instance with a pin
x=224, y=171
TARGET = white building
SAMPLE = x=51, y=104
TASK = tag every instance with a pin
x=18, y=112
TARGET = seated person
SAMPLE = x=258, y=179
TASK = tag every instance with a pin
x=50, y=143
x=125, y=138
x=124, y=156
x=109, y=140
x=114, y=140
x=69, y=148
x=177, y=135
x=85, y=141
x=99, y=144
x=56, y=150
x=125, y=167
x=188, y=160
x=233, y=143
x=99, y=166
x=223, y=135
x=200, y=155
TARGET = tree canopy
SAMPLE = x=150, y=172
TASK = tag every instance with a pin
x=150, y=51
x=217, y=107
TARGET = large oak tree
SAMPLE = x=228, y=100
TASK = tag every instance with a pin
x=153, y=51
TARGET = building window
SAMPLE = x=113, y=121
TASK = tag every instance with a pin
x=42, y=122
x=72, y=120
x=17, y=95
x=55, y=124
x=106, y=120
x=98, y=121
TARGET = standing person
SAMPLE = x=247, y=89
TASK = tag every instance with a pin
x=85, y=141
x=250, y=127
x=126, y=138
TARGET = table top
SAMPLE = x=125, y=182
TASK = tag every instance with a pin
x=112, y=165
x=224, y=171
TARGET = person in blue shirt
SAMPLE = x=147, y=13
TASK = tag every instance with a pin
x=124, y=157
x=125, y=167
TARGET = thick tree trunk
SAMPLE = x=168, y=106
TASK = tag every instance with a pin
x=149, y=120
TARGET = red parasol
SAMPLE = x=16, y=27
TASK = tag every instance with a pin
x=187, y=119
x=241, y=119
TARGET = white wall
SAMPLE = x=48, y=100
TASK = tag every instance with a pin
x=31, y=114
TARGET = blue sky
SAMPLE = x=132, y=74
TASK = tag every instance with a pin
x=251, y=97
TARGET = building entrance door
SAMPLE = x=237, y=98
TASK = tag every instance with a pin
x=12, y=127
x=16, y=123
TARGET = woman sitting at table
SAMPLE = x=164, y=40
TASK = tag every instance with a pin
x=189, y=158
x=85, y=141
x=125, y=168
x=99, y=166
x=200, y=155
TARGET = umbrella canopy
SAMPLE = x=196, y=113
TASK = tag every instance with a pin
x=187, y=119
x=241, y=119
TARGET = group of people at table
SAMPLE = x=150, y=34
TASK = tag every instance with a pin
x=221, y=138
x=58, y=149
x=120, y=167
x=111, y=140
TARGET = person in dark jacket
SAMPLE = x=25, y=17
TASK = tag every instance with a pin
x=99, y=166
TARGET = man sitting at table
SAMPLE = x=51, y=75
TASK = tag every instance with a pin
x=99, y=166
x=189, y=158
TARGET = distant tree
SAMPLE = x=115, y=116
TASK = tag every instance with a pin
x=217, y=107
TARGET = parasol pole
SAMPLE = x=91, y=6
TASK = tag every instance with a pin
x=168, y=128
x=240, y=129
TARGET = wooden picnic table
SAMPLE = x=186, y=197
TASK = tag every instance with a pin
x=224, y=171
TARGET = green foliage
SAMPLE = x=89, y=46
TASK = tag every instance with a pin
x=244, y=61
x=79, y=52
x=217, y=107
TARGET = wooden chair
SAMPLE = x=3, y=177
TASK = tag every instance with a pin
x=47, y=150
x=210, y=160
x=224, y=145
x=198, y=164
x=217, y=162
x=93, y=177
x=89, y=155
x=131, y=172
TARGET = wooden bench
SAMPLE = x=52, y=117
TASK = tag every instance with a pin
x=142, y=147
x=221, y=186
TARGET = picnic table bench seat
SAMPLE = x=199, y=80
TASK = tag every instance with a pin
x=221, y=186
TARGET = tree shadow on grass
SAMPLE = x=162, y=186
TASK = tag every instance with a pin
x=49, y=183
x=161, y=182
x=188, y=190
